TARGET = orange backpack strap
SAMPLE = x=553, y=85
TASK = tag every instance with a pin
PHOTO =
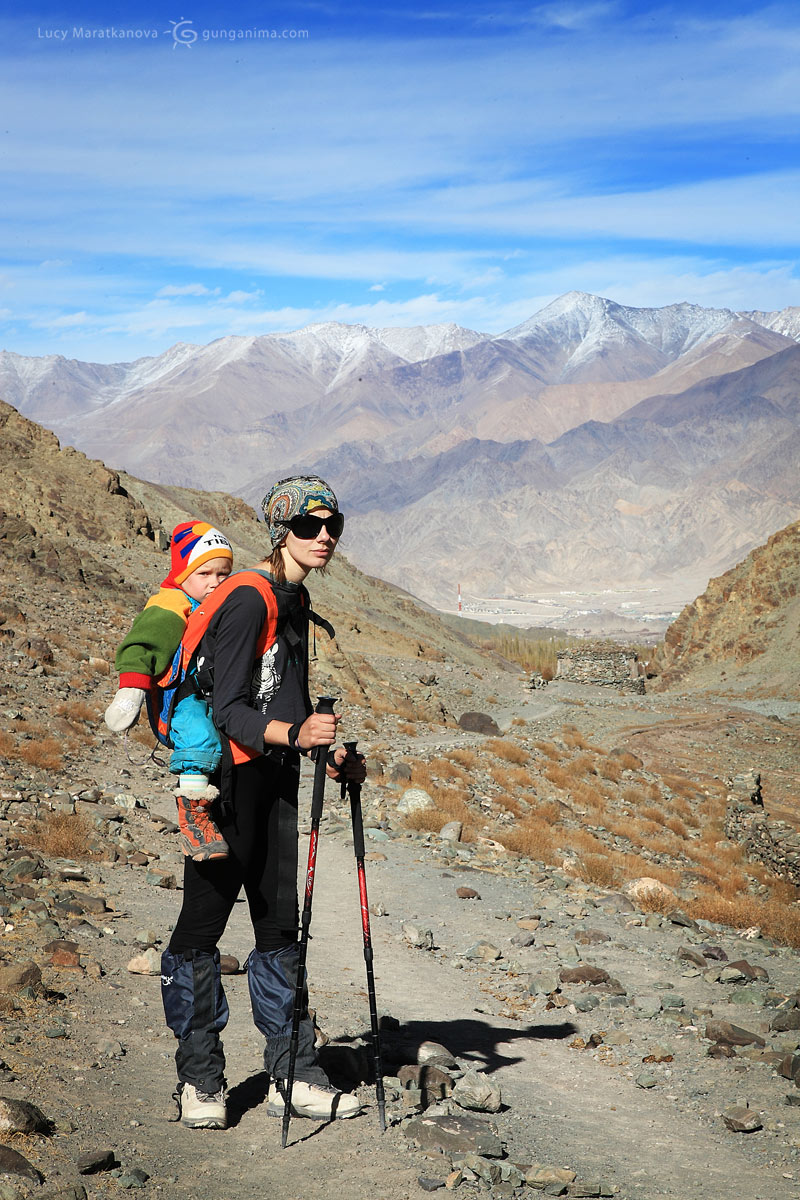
x=200, y=619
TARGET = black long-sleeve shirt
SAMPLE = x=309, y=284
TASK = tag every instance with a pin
x=250, y=690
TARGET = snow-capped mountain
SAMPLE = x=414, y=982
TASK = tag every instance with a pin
x=413, y=419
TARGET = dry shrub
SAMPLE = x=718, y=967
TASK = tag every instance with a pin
x=676, y=825
x=651, y=813
x=427, y=820
x=448, y=800
x=509, y=804
x=370, y=724
x=404, y=708
x=465, y=758
x=597, y=869
x=452, y=803
x=732, y=885
x=533, y=838
x=506, y=777
x=772, y=916
x=61, y=835
x=628, y=762
x=43, y=752
x=637, y=831
x=582, y=842
x=632, y=794
x=655, y=901
x=407, y=729
x=519, y=721
x=380, y=708
x=572, y=737
x=8, y=745
x=447, y=769
x=518, y=777
x=422, y=776
x=78, y=710
x=784, y=892
x=653, y=792
x=681, y=785
x=559, y=776
x=549, y=750
x=588, y=797
x=509, y=751
x=686, y=813
x=582, y=765
x=610, y=768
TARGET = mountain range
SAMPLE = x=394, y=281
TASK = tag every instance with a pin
x=594, y=446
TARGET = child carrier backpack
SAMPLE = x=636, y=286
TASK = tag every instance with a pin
x=180, y=679
x=184, y=676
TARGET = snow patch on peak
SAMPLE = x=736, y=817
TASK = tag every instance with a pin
x=587, y=325
x=787, y=321
x=418, y=342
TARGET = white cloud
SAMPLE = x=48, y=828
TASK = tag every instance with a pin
x=475, y=178
x=67, y=320
x=243, y=297
x=188, y=289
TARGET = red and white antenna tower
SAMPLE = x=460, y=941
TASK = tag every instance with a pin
x=459, y=599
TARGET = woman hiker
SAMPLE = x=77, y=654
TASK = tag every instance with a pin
x=256, y=644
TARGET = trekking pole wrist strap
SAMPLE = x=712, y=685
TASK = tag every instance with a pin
x=293, y=735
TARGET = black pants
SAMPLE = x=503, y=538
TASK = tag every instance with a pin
x=259, y=823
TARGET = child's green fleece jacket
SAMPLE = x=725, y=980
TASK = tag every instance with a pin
x=150, y=645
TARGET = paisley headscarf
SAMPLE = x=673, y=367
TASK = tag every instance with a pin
x=295, y=497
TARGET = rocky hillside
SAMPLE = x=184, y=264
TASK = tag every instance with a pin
x=746, y=625
x=85, y=545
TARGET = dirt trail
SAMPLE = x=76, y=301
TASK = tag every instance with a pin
x=563, y=1106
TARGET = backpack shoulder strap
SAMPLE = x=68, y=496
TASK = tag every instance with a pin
x=199, y=621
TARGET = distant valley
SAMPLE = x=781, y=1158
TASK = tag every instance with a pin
x=597, y=460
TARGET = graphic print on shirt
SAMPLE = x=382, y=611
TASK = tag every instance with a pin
x=265, y=681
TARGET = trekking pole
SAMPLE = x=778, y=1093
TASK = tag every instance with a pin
x=324, y=705
x=354, y=792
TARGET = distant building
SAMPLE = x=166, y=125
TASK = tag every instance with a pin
x=602, y=663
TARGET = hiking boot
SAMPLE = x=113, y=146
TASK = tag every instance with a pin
x=201, y=1111
x=200, y=838
x=123, y=711
x=319, y=1101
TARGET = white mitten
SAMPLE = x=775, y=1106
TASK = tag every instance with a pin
x=123, y=711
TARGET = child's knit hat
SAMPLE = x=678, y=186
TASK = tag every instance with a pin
x=194, y=543
x=295, y=497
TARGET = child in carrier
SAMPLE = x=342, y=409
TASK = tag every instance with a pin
x=201, y=559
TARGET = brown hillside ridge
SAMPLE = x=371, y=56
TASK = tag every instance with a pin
x=533, y=985
x=59, y=510
x=745, y=625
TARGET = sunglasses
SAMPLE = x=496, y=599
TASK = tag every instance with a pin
x=308, y=528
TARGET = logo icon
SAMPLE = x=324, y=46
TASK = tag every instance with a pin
x=183, y=33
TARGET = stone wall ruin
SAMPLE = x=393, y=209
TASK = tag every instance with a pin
x=602, y=663
x=773, y=843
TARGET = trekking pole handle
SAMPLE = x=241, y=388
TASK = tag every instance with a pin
x=354, y=791
x=324, y=705
x=346, y=786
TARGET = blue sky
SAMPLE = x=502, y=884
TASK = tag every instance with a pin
x=389, y=165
